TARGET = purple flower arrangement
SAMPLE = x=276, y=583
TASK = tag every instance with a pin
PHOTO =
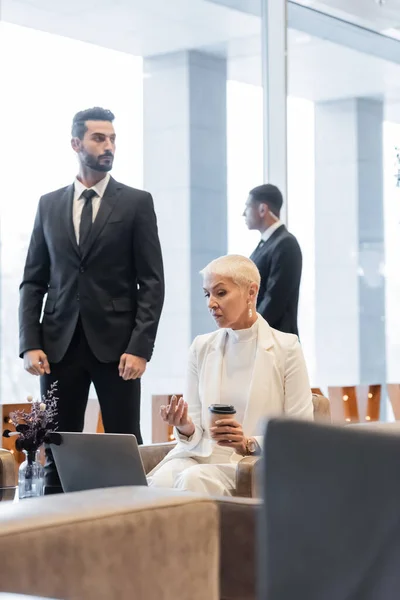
x=32, y=428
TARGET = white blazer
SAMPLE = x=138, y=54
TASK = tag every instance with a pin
x=279, y=385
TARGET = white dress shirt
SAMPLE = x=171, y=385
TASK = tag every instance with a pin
x=268, y=232
x=237, y=368
x=78, y=202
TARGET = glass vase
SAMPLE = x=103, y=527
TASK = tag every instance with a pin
x=30, y=476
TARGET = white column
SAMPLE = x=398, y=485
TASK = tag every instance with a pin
x=185, y=170
x=274, y=65
x=349, y=243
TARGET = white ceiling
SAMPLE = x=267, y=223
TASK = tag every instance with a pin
x=379, y=16
x=318, y=69
x=140, y=27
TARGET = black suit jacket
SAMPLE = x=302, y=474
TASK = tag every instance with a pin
x=116, y=286
x=279, y=261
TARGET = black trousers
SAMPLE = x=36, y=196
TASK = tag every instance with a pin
x=119, y=400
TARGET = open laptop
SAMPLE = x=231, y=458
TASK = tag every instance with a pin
x=87, y=461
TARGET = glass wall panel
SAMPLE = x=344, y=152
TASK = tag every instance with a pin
x=45, y=82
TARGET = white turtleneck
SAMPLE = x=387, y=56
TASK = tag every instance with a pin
x=237, y=367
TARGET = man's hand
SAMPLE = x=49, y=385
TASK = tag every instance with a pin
x=131, y=367
x=36, y=363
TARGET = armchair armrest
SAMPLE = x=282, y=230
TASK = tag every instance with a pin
x=8, y=473
x=247, y=477
x=238, y=544
x=153, y=454
x=322, y=408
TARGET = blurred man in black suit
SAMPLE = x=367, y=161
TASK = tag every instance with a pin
x=96, y=254
x=278, y=258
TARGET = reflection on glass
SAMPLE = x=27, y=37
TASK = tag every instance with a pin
x=377, y=15
x=391, y=138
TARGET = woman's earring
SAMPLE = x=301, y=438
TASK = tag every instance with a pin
x=250, y=311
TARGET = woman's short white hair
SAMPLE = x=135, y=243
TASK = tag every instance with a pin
x=239, y=268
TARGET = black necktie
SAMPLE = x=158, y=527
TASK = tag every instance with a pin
x=86, y=217
x=256, y=251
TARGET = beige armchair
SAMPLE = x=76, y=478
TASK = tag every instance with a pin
x=247, y=471
x=129, y=543
x=153, y=454
x=8, y=473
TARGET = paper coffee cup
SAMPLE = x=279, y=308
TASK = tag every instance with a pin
x=221, y=411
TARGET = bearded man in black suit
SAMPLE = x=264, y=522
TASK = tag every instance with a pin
x=95, y=255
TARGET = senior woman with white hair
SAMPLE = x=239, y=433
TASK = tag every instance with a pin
x=259, y=371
